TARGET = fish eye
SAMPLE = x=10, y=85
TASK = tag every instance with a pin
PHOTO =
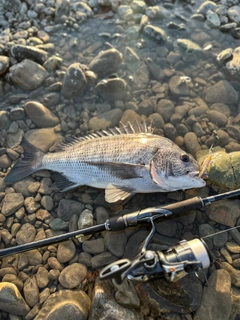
x=185, y=157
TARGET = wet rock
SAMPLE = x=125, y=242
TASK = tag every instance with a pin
x=104, y=305
x=125, y=12
x=31, y=291
x=52, y=62
x=11, y=203
x=112, y=89
x=67, y=208
x=207, y=5
x=4, y=119
x=85, y=220
x=40, y=115
x=62, y=8
x=216, y=300
x=222, y=92
x=73, y=275
x=26, y=234
x=213, y=19
x=94, y=246
x=191, y=143
x=106, y=62
x=217, y=118
x=115, y=242
x=221, y=107
x=157, y=13
x=74, y=81
x=102, y=259
x=4, y=64
x=156, y=71
x=14, y=139
x=178, y=87
x=21, y=52
x=225, y=212
x=11, y=300
x=43, y=138
x=155, y=33
x=165, y=108
x=106, y=120
x=234, y=273
x=58, y=224
x=141, y=77
x=188, y=46
x=234, y=14
x=65, y=303
x=28, y=74
x=66, y=251
x=42, y=278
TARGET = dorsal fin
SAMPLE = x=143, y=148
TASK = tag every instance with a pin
x=124, y=129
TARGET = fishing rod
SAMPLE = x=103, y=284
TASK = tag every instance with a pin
x=149, y=215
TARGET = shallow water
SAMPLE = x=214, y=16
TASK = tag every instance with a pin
x=189, y=96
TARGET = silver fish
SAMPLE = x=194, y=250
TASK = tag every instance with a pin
x=122, y=161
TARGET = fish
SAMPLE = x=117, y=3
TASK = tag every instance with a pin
x=123, y=160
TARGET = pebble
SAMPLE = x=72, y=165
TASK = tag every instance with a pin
x=21, y=52
x=28, y=74
x=31, y=291
x=102, y=259
x=191, y=143
x=221, y=92
x=26, y=234
x=155, y=33
x=66, y=251
x=58, y=224
x=178, y=86
x=63, y=303
x=4, y=64
x=106, y=120
x=234, y=14
x=73, y=275
x=112, y=89
x=225, y=212
x=141, y=77
x=216, y=299
x=11, y=203
x=94, y=246
x=40, y=115
x=234, y=273
x=42, y=278
x=67, y=208
x=14, y=304
x=115, y=242
x=106, y=62
x=74, y=81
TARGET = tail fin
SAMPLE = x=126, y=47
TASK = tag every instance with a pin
x=31, y=163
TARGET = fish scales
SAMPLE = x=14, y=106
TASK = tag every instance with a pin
x=123, y=162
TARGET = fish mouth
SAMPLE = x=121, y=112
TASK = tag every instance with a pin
x=195, y=174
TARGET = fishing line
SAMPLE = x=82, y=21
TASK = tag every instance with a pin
x=214, y=234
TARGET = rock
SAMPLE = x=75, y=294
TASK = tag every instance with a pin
x=73, y=275
x=106, y=62
x=225, y=212
x=216, y=300
x=21, y=52
x=125, y=12
x=155, y=33
x=191, y=143
x=165, y=108
x=40, y=115
x=141, y=77
x=25, y=234
x=74, y=80
x=106, y=120
x=31, y=204
x=28, y=74
x=102, y=259
x=217, y=118
x=156, y=71
x=232, y=247
x=42, y=277
x=52, y=62
x=94, y=246
x=178, y=86
x=14, y=139
x=67, y=208
x=47, y=202
x=85, y=220
x=189, y=46
x=43, y=138
x=222, y=92
x=112, y=89
x=4, y=64
x=213, y=19
x=65, y=304
x=234, y=273
x=104, y=305
x=207, y=5
x=11, y=203
x=11, y=300
x=115, y=242
x=221, y=107
x=234, y=14
x=62, y=8
x=31, y=291
x=66, y=251
x=4, y=119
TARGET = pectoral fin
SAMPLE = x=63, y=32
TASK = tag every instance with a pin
x=114, y=194
x=155, y=176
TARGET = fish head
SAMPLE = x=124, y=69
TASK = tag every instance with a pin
x=174, y=169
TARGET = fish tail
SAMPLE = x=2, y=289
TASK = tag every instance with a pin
x=31, y=163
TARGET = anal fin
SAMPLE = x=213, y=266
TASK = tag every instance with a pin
x=114, y=194
x=63, y=183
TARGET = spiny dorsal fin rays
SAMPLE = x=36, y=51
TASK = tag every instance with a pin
x=125, y=129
